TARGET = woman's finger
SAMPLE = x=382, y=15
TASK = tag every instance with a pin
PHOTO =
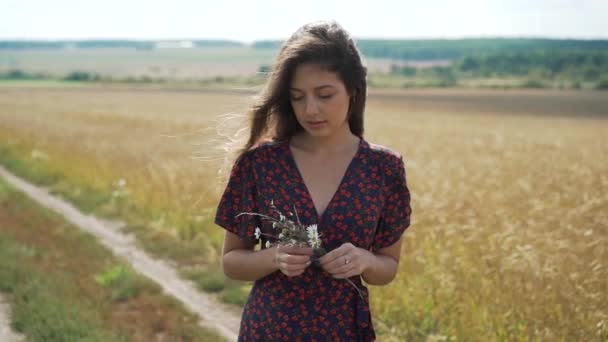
x=291, y=269
x=336, y=260
x=293, y=258
x=292, y=264
x=297, y=260
x=296, y=250
x=347, y=274
x=344, y=250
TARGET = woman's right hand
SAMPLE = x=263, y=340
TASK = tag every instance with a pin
x=292, y=261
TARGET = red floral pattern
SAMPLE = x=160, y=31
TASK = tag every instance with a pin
x=370, y=209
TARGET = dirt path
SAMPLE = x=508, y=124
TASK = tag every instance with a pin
x=213, y=314
x=6, y=333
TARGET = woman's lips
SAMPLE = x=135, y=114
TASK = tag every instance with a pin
x=315, y=124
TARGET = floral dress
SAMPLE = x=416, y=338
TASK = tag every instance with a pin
x=370, y=209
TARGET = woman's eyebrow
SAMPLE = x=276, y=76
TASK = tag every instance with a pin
x=316, y=88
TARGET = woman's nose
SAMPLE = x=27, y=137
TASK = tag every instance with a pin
x=311, y=106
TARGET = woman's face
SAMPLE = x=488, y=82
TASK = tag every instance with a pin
x=319, y=100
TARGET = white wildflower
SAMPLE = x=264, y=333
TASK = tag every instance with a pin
x=258, y=233
x=39, y=155
x=313, y=236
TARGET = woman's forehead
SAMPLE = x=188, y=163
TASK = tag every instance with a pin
x=314, y=76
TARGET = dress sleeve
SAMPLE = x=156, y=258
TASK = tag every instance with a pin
x=239, y=197
x=396, y=212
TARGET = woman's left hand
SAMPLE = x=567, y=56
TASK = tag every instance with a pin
x=346, y=261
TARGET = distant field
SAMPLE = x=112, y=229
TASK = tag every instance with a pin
x=167, y=63
x=246, y=66
x=172, y=63
x=510, y=213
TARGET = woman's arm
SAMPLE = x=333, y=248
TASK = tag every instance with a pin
x=241, y=262
x=381, y=267
x=377, y=268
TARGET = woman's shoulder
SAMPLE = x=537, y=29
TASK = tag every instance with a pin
x=263, y=149
x=384, y=153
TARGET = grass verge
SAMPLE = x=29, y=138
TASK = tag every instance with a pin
x=64, y=286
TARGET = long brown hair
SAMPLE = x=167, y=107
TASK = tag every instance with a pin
x=325, y=43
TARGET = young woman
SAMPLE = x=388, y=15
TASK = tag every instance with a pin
x=306, y=150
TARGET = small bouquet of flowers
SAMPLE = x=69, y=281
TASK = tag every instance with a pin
x=294, y=234
x=291, y=233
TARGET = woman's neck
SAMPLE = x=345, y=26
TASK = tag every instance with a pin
x=325, y=146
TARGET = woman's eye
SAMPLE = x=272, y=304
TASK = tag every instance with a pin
x=323, y=97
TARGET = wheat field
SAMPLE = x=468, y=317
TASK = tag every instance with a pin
x=509, y=233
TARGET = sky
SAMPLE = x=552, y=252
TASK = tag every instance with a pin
x=247, y=21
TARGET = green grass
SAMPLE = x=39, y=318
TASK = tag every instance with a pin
x=236, y=294
x=206, y=280
x=44, y=307
x=35, y=170
x=121, y=280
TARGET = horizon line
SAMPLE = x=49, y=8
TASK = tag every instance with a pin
x=247, y=42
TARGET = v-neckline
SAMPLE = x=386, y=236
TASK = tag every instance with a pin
x=301, y=181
